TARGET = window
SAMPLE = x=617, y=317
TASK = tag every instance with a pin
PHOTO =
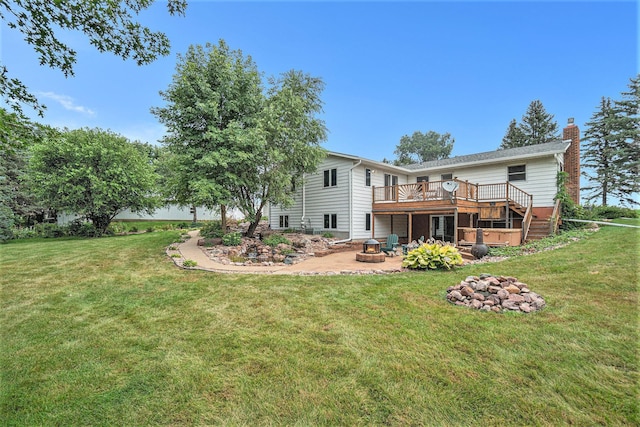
x=367, y=177
x=284, y=221
x=331, y=177
x=517, y=173
x=422, y=179
x=446, y=176
x=367, y=222
x=331, y=221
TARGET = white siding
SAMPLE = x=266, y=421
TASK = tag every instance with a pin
x=540, y=180
x=320, y=200
x=363, y=199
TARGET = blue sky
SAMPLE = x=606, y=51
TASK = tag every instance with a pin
x=390, y=68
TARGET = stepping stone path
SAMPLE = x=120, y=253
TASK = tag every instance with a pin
x=495, y=293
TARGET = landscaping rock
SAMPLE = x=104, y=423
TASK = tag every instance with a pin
x=495, y=294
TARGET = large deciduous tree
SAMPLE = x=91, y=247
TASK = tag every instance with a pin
x=93, y=173
x=233, y=143
x=423, y=147
x=108, y=24
x=537, y=127
x=212, y=110
x=286, y=145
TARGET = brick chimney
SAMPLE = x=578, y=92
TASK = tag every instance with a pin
x=572, y=159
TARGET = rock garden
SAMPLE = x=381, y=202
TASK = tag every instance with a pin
x=266, y=248
x=495, y=293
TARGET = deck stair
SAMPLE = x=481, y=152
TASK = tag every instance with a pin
x=539, y=229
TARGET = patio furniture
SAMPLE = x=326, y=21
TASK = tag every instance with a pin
x=390, y=245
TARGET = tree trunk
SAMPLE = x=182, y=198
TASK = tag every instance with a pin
x=195, y=213
x=254, y=224
x=223, y=218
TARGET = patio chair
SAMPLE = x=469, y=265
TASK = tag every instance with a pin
x=391, y=245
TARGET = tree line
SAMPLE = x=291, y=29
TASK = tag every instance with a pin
x=610, y=151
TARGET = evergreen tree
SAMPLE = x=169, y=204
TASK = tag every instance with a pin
x=514, y=136
x=627, y=163
x=537, y=127
x=600, y=152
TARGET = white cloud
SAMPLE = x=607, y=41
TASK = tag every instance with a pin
x=68, y=103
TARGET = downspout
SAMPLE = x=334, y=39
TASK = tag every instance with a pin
x=350, y=205
x=304, y=197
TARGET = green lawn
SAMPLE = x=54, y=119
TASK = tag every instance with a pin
x=108, y=332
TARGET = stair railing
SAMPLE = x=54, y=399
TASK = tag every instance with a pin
x=526, y=223
x=554, y=222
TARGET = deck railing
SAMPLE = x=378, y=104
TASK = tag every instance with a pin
x=433, y=191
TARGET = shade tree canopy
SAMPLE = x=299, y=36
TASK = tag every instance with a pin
x=423, y=147
x=234, y=142
x=93, y=173
x=109, y=25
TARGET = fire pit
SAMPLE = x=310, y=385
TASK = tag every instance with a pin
x=370, y=252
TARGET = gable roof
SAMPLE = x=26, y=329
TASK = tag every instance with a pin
x=498, y=156
x=487, y=157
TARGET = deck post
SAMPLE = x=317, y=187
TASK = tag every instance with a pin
x=455, y=227
x=373, y=225
x=410, y=228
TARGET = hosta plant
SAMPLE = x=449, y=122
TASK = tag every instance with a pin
x=432, y=256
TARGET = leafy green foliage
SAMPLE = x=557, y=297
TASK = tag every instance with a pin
x=229, y=142
x=432, y=256
x=275, y=240
x=613, y=212
x=327, y=235
x=93, y=173
x=211, y=229
x=109, y=26
x=537, y=127
x=189, y=263
x=423, y=147
x=232, y=239
x=6, y=223
x=562, y=238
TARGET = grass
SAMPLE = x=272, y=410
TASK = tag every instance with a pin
x=628, y=221
x=95, y=332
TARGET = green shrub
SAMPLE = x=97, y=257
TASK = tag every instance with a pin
x=232, y=239
x=275, y=239
x=133, y=229
x=24, y=233
x=613, y=212
x=49, y=230
x=327, y=235
x=211, y=230
x=432, y=256
x=189, y=263
x=150, y=229
x=176, y=256
x=6, y=224
x=81, y=228
x=116, y=228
